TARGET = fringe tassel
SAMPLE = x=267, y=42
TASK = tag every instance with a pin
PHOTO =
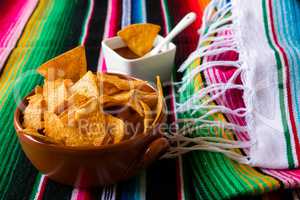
x=213, y=23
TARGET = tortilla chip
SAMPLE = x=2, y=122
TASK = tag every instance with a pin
x=70, y=114
x=59, y=132
x=36, y=134
x=150, y=98
x=56, y=93
x=115, y=128
x=122, y=99
x=147, y=116
x=33, y=113
x=160, y=100
x=139, y=37
x=93, y=123
x=86, y=86
x=38, y=90
x=75, y=103
x=69, y=65
x=89, y=108
x=108, y=82
x=54, y=128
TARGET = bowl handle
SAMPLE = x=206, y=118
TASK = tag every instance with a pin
x=154, y=151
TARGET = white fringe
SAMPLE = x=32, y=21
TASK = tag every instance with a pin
x=212, y=23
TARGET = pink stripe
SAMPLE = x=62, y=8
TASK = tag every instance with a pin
x=276, y=173
x=10, y=19
x=232, y=98
x=81, y=194
x=12, y=26
x=111, y=28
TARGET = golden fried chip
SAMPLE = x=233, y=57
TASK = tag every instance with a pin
x=160, y=97
x=34, y=133
x=109, y=82
x=38, y=90
x=59, y=132
x=56, y=94
x=89, y=108
x=150, y=98
x=33, y=113
x=139, y=37
x=126, y=98
x=86, y=86
x=115, y=128
x=54, y=128
x=92, y=123
x=147, y=116
x=70, y=65
x=75, y=103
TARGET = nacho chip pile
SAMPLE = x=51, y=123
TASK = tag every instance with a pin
x=83, y=108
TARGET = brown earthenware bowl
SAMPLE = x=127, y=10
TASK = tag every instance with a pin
x=92, y=166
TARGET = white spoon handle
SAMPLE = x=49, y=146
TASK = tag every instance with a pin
x=184, y=22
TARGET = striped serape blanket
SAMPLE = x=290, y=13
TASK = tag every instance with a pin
x=240, y=91
x=32, y=32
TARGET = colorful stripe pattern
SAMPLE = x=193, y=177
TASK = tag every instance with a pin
x=32, y=32
x=283, y=41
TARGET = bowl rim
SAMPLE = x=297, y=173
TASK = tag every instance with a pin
x=155, y=131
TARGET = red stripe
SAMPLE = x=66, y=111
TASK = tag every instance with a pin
x=42, y=189
x=289, y=93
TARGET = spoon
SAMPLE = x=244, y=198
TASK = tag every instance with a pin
x=184, y=22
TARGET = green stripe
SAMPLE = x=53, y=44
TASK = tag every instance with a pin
x=280, y=68
x=35, y=186
x=169, y=18
x=39, y=51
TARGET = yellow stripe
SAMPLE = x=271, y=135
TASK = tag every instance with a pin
x=32, y=31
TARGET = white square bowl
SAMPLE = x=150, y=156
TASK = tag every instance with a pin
x=146, y=68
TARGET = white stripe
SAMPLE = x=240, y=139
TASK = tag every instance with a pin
x=74, y=194
x=126, y=13
x=87, y=22
x=39, y=187
x=144, y=13
x=109, y=193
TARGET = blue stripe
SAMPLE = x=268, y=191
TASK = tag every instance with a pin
x=287, y=23
x=138, y=12
x=133, y=12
